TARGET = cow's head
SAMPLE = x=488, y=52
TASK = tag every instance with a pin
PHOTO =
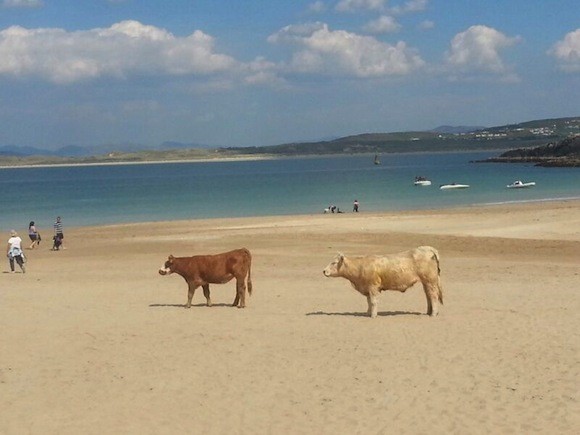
x=167, y=268
x=333, y=268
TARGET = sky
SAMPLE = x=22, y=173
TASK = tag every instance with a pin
x=266, y=72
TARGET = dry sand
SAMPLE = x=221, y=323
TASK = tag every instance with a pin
x=94, y=341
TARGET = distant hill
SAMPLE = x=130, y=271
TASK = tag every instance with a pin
x=565, y=153
x=456, y=130
x=528, y=134
x=444, y=138
x=89, y=151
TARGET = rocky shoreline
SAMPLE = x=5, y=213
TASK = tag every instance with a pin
x=563, y=154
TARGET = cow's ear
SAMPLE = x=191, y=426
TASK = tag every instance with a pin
x=171, y=258
x=340, y=259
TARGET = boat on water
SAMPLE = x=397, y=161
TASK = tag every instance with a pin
x=518, y=184
x=422, y=181
x=377, y=160
x=453, y=186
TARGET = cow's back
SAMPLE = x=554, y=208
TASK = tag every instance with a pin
x=398, y=271
x=215, y=269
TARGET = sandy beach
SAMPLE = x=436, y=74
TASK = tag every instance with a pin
x=95, y=341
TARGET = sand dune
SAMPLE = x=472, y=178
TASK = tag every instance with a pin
x=95, y=341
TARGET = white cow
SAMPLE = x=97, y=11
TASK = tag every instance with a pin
x=370, y=275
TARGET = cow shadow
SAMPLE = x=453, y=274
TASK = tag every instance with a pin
x=192, y=305
x=365, y=314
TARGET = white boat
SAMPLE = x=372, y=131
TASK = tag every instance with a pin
x=520, y=184
x=453, y=186
x=422, y=181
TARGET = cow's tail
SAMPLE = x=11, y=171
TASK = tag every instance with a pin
x=249, y=278
x=439, y=287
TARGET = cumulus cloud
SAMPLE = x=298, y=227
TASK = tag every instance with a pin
x=426, y=25
x=321, y=50
x=263, y=72
x=22, y=3
x=567, y=52
x=383, y=24
x=355, y=5
x=477, y=50
x=410, y=6
x=125, y=48
x=317, y=7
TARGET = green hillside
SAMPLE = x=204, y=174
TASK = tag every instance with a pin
x=523, y=135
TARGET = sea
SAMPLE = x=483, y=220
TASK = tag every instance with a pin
x=151, y=192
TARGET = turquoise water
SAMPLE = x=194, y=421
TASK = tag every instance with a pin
x=98, y=195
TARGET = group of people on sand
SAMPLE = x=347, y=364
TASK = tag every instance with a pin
x=14, y=250
x=335, y=209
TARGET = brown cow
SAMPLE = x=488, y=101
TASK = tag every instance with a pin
x=203, y=270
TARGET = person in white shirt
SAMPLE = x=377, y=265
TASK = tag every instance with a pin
x=14, y=251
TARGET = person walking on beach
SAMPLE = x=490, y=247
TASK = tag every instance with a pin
x=355, y=206
x=34, y=235
x=14, y=251
x=58, y=234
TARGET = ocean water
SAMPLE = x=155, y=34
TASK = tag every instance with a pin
x=100, y=195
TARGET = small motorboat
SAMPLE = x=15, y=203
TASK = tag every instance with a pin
x=422, y=181
x=453, y=186
x=518, y=184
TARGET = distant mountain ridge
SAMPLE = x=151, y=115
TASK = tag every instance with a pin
x=442, y=138
x=88, y=151
x=457, y=129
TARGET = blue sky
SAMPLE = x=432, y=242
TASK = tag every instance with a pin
x=264, y=72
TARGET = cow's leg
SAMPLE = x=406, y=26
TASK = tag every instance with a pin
x=240, y=293
x=206, y=294
x=432, y=294
x=372, y=302
x=190, y=293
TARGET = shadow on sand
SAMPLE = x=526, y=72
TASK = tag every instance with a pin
x=192, y=305
x=364, y=314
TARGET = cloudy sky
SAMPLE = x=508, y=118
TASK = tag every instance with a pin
x=263, y=72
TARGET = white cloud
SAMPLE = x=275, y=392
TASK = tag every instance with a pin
x=567, y=52
x=342, y=53
x=383, y=24
x=426, y=25
x=410, y=6
x=263, y=72
x=125, y=48
x=477, y=50
x=354, y=5
x=22, y=3
x=317, y=7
